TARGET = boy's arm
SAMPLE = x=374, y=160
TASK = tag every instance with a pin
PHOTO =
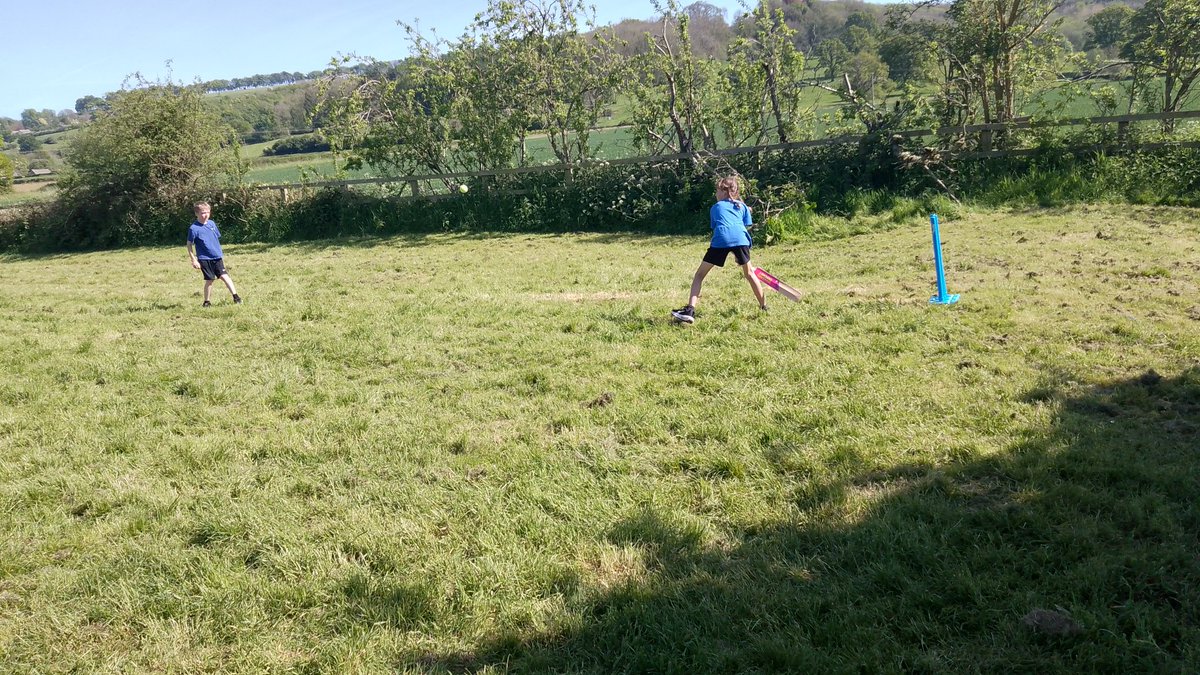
x=192, y=255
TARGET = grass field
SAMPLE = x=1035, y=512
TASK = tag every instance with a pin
x=27, y=192
x=607, y=143
x=494, y=453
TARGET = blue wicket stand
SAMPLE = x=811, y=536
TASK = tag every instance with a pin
x=942, y=298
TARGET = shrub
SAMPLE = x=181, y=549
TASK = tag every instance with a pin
x=817, y=193
x=29, y=143
x=6, y=173
x=295, y=145
x=133, y=171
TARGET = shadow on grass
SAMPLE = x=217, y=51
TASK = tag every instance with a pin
x=1097, y=518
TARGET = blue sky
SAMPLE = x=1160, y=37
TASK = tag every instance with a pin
x=56, y=53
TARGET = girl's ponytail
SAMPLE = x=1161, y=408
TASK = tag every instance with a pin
x=730, y=185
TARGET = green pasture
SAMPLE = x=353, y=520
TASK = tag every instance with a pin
x=28, y=192
x=492, y=453
x=608, y=143
x=252, y=151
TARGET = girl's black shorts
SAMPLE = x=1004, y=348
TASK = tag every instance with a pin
x=717, y=256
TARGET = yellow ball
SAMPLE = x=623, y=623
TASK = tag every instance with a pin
x=462, y=189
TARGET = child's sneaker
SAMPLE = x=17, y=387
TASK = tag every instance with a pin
x=206, y=304
x=762, y=307
x=684, y=314
x=237, y=299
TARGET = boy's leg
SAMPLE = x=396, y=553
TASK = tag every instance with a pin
x=229, y=284
x=207, y=288
x=755, y=286
x=698, y=281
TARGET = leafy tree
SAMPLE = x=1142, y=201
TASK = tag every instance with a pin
x=1107, y=28
x=628, y=36
x=33, y=120
x=1164, y=41
x=710, y=33
x=88, y=104
x=675, y=92
x=859, y=39
x=402, y=119
x=996, y=51
x=469, y=104
x=765, y=79
x=832, y=55
x=29, y=143
x=156, y=148
x=864, y=20
x=907, y=55
x=815, y=22
x=550, y=76
x=869, y=74
x=6, y=173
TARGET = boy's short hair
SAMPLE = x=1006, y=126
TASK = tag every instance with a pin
x=198, y=205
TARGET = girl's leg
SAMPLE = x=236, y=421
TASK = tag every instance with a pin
x=748, y=270
x=207, y=288
x=228, y=284
x=697, y=281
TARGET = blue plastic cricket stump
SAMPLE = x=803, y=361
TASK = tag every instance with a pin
x=942, y=298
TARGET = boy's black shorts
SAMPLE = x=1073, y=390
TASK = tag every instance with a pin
x=717, y=256
x=212, y=269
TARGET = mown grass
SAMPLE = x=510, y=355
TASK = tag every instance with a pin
x=493, y=453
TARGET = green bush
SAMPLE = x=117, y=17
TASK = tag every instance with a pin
x=814, y=194
x=133, y=172
x=295, y=145
x=29, y=143
x=6, y=173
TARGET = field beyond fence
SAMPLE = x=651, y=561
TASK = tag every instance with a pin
x=1021, y=138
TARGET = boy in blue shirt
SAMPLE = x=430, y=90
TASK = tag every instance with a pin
x=730, y=221
x=207, y=256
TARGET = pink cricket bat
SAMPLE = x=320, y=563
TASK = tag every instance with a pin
x=769, y=279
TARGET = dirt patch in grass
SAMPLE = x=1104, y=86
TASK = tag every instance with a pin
x=580, y=297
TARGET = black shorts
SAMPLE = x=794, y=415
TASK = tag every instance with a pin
x=717, y=256
x=212, y=269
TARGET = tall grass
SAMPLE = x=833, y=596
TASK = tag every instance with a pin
x=492, y=452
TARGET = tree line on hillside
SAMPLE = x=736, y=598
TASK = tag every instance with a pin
x=255, y=120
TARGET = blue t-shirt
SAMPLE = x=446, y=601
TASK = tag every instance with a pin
x=207, y=239
x=729, y=220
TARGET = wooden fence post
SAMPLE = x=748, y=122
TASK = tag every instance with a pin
x=1122, y=131
x=415, y=186
x=985, y=140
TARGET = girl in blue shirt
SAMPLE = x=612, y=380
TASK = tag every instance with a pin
x=730, y=221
